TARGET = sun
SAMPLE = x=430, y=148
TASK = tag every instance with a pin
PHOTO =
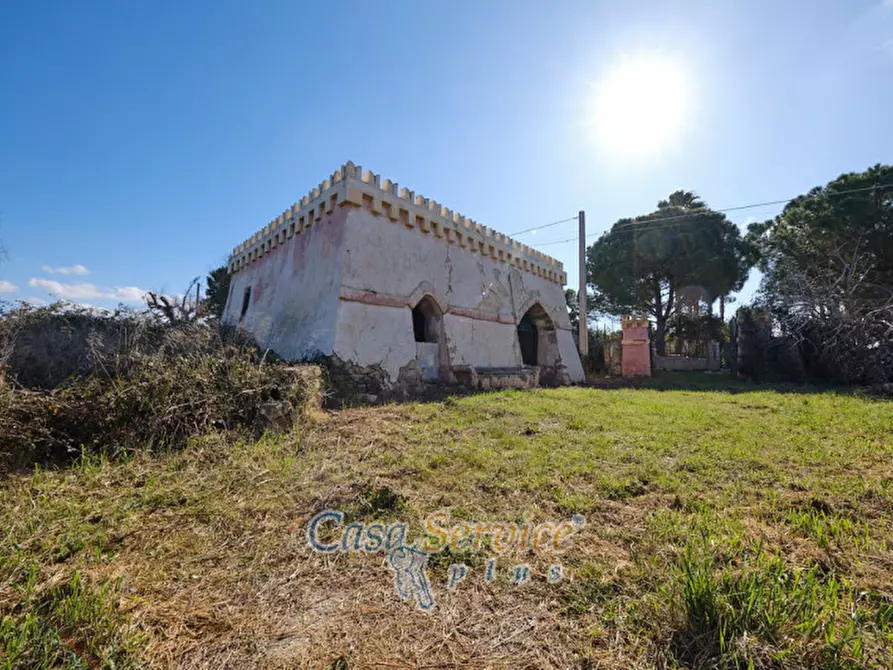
x=640, y=107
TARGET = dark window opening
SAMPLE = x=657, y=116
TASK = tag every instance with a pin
x=418, y=324
x=246, y=300
x=527, y=338
x=426, y=321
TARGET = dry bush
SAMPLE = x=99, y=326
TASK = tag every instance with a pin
x=121, y=382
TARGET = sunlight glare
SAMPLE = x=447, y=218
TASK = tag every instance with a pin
x=640, y=107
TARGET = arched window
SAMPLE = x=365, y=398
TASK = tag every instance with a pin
x=426, y=317
x=246, y=301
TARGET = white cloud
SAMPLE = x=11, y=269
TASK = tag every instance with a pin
x=128, y=294
x=7, y=286
x=37, y=302
x=66, y=270
x=87, y=291
x=75, y=291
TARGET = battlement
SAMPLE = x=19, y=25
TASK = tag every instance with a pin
x=633, y=322
x=349, y=186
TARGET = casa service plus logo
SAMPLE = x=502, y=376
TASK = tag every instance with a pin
x=327, y=533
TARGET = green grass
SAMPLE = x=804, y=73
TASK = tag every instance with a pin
x=71, y=626
x=727, y=525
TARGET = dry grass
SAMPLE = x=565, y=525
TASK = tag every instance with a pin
x=689, y=498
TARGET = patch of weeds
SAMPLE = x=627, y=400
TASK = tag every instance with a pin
x=71, y=626
x=67, y=547
x=827, y=528
x=163, y=499
x=575, y=424
x=374, y=502
x=573, y=503
x=613, y=488
x=759, y=611
x=689, y=505
x=440, y=561
x=589, y=589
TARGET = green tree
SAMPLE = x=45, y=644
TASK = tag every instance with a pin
x=640, y=264
x=827, y=263
x=683, y=200
x=573, y=308
x=217, y=291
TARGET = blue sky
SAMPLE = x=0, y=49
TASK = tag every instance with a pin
x=139, y=142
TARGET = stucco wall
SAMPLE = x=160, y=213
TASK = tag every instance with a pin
x=388, y=267
x=294, y=291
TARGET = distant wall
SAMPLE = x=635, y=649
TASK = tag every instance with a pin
x=684, y=363
x=679, y=363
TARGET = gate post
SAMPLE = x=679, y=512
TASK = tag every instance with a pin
x=636, y=361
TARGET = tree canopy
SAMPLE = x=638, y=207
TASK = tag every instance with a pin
x=217, y=291
x=683, y=200
x=827, y=261
x=640, y=265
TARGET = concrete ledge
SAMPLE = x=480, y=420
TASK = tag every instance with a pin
x=491, y=379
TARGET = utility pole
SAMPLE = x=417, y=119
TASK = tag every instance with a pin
x=584, y=325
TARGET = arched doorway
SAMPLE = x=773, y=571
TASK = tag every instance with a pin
x=537, y=338
x=427, y=330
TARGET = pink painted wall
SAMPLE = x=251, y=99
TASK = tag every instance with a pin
x=294, y=291
x=636, y=360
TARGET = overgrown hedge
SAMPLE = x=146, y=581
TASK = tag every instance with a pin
x=78, y=380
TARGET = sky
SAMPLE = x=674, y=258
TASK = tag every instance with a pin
x=140, y=142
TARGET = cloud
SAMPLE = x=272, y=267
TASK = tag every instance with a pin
x=87, y=291
x=66, y=270
x=7, y=286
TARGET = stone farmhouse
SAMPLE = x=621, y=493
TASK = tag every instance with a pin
x=383, y=280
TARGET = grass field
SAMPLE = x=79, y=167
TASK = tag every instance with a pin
x=730, y=526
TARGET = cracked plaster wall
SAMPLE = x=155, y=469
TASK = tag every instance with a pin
x=388, y=267
x=294, y=292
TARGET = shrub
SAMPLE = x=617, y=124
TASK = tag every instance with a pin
x=132, y=384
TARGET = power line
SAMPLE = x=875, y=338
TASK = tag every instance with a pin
x=548, y=225
x=661, y=221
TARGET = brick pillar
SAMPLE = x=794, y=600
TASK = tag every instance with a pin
x=636, y=361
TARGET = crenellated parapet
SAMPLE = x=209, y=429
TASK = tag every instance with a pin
x=633, y=322
x=350, y=187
